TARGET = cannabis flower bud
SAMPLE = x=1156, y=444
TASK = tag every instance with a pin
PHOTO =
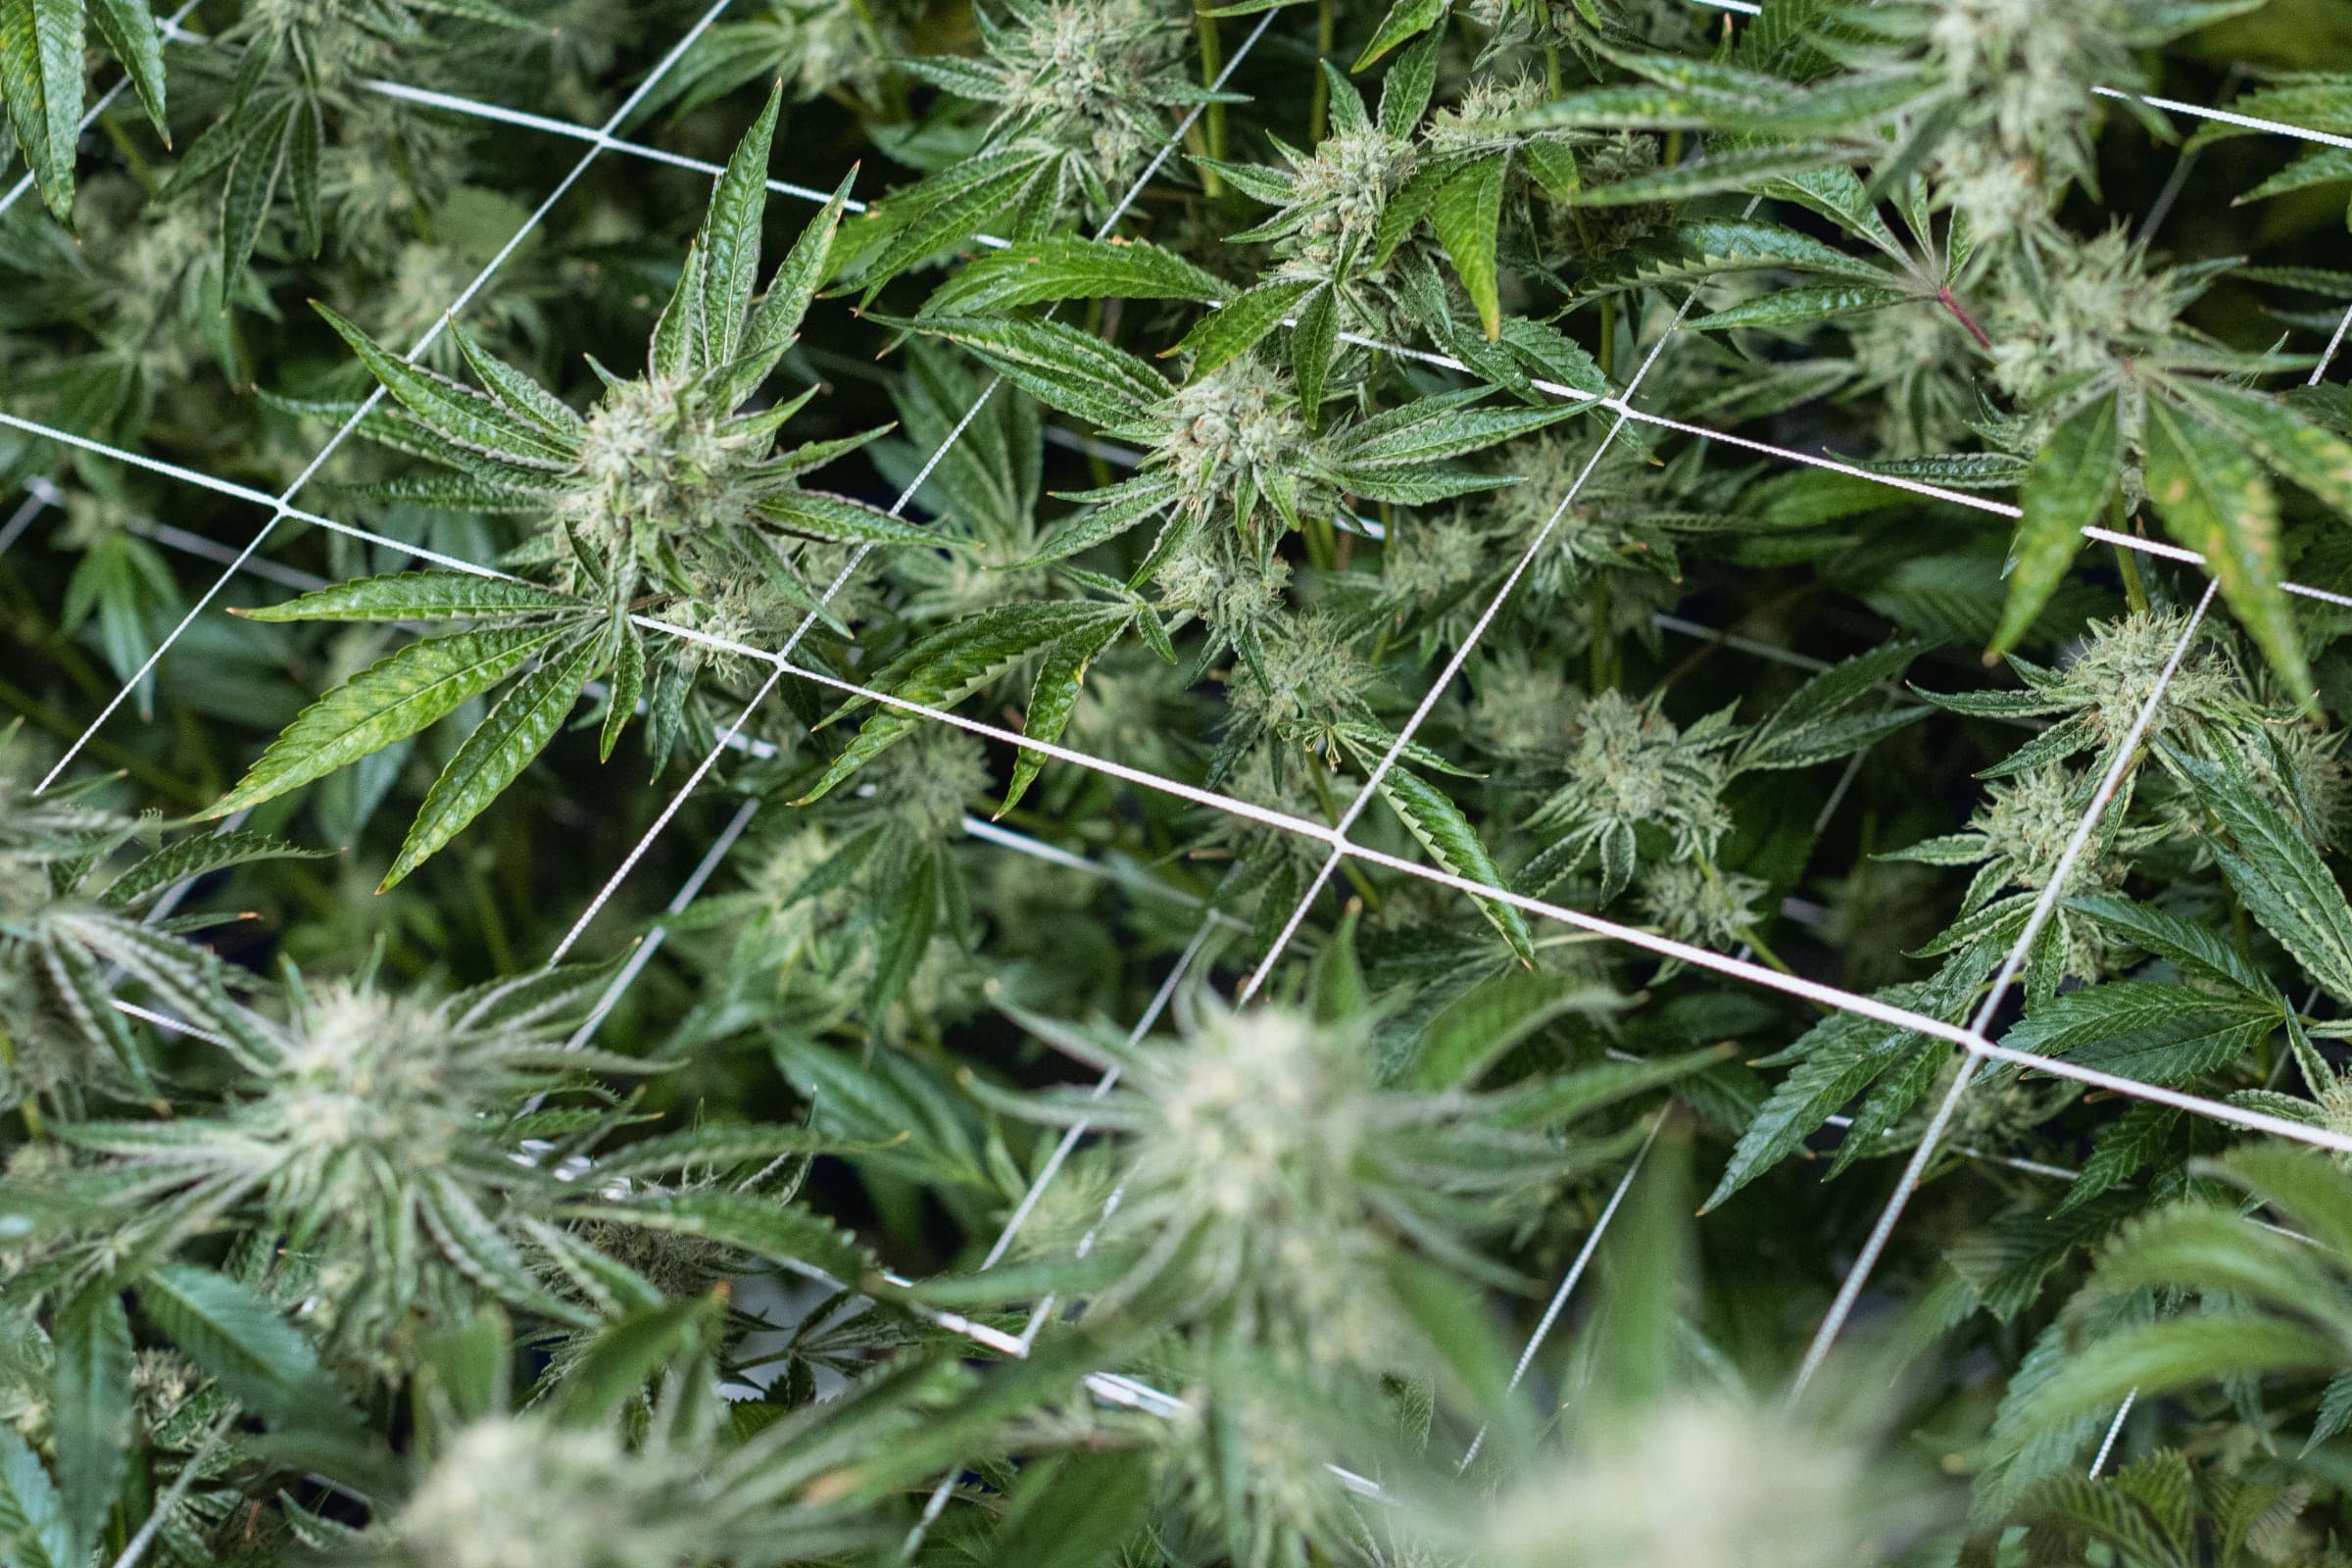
x=1630, y=773
x=370, y=1129
x=1235, y=589
x=1230, y=434
x=1340, y=193
x=1522, y=710
x=2023, y=73
x=522, y=1492
x=1687, y=903
x=1300, y=681
x=1269, y=1176
x=2117, y=668
x=1693, y=1484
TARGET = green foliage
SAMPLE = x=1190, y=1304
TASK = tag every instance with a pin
x=1393, y=637
x=42, y=78
x=615, y=544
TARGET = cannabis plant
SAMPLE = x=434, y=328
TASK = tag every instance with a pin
x=668, y=496
x=1387, y=813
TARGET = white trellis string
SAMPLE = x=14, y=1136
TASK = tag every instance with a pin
x=35, y=502
x=643, y=954
x=241, y=560
x=2045, y=905
x=1700, y=957
x=1568, y=1282
x=281, y=504
x=2319, y=371
x=152, y=1527
x=2148, y=231
x=2115, y=1430
x=1648, y=941
x=858, y=555
x=2031, y=1167
x=1109, y=1080
x=2225, y=116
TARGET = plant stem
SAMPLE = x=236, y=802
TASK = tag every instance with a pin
x=1322, y=551
x=1213, y=59
x=123, y=143
x=1944, y=296
x=894, y=86
x=1601, y=650
x=1747, y=934
x=1318, y=114
x=492, y=924
x=2136, y=587
x=2126, y=560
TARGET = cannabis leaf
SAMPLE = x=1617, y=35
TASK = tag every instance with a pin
x=658, y=501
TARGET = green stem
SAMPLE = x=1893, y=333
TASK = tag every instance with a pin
x=140, y=170
x=1213, y=59
x=1322, y=542
x=493, y=923
x=1608, y=337
x=1747, y=934
x=1318, y=115
x=2126, y=562
x=2136, y=587
x=1743, y=931
x=1601, y=650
